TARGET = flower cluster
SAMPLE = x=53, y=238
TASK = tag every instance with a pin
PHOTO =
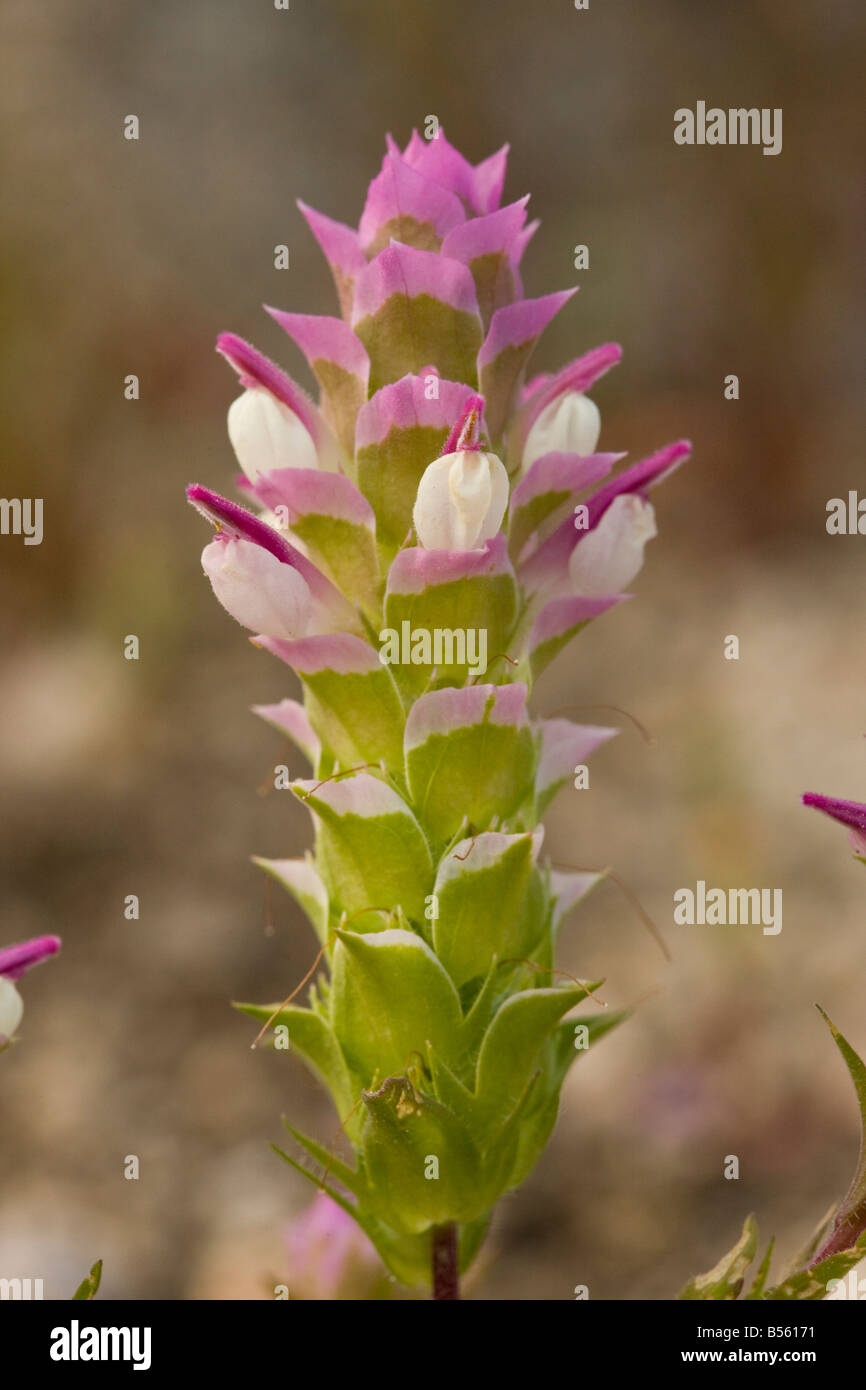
x=418, y=546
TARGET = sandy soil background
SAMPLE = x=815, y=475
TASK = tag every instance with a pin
x=120, y=777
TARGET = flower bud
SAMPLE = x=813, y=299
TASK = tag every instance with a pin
x=265, y=434
x=461, y=501
x=571, y=424
x=258, y=590
x=11, y=1008
x=609, y=556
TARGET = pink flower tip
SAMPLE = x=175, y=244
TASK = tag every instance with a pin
x=849, y=813
x=235, y=522
x=16, y=960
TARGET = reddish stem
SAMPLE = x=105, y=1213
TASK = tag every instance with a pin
x=446, y=1280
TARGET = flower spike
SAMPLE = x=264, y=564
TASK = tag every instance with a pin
x=417, y=584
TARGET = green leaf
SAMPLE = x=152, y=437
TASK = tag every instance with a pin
x=725, y=1280
x=372, y=852
x=346, y=552
x=352, y=700
x=450, y=1090
x=810, y=1285
x=512, y=1043
x=401, y=430
x=760, y=1279
x=89, y=1287
x=850, y=1218
x=440, y=613
x=413, y=309
x=390, y=998
x=483, y=1007
x=470, y=1239
x=501, y=1158
x=407, y=334
x=482, y=896
x=423, y=1167
x=311, y=1037
x=300, y=878
x=494, y=282
x=334, y=1167
x=407, y=1257
x=562, y=1049
x=467, y=758
x=556, y=1057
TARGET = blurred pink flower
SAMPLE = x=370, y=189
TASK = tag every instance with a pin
x=329, y=1256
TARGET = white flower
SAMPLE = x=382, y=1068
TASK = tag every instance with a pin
x=265, y=434
x=257, y=589
x=570, y=425
x=461, y=501
x=11, y=1008
x=609, y=556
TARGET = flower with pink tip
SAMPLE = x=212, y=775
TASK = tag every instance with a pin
x=15, y=961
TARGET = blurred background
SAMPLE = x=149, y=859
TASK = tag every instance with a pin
x=121, y=777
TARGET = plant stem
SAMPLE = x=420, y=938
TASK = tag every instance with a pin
x=446, y=1280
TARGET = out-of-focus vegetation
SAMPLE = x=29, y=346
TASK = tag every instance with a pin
x=144, y=778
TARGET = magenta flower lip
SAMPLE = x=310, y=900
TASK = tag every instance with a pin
x=237, y=522
x=16, y=960
x=850, y=813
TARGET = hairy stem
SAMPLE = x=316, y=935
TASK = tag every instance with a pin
x=446, y=1281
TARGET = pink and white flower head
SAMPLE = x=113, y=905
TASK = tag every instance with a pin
x=418, y=573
